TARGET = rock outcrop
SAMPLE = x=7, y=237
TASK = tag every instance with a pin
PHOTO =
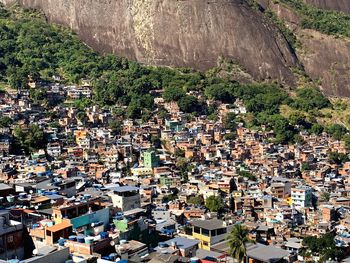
x=196, y=33
x=337, y=5
x=183, y=33
x=326, y=59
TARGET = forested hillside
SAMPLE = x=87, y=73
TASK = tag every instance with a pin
x=34, y=49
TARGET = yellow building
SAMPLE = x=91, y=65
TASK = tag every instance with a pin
x=80, y=135
x=142, y=171
x=237, y=194
x=209, y=232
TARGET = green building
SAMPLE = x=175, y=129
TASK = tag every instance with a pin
x=174, y=126
x=150, y=159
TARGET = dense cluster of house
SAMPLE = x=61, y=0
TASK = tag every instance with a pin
x=90, y=195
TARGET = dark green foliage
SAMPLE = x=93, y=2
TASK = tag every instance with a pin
x=316, y=129
x=168, y=198
x=337, y=158
x=179, y=152
x=196, y=200
x=337, y=131
x=323, y=246
x=326, y=21
x=173, y=94
x=81, y=116
x=214, y=203
x=38, y=95
x=229, y=121
x=115, y=126
x=261, y=97
x=221, y=92
x=299, y=119
x=5, y=122
x=30, y=139
x=284, y=131
x=156, y=142
x=230, y=136
x=248, y=175
x=346, y=139
x=305, y=166
x=308, y=99
x=190, y=104
x=82, y=104
x=238, y=239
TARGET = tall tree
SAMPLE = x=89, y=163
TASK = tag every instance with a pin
x=214, y=203
x=238, y=240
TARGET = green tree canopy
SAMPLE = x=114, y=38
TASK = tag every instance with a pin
x=31, y=138
x=173, y=94
x=214, y=203
x=308, y=99
x=5, y=122
x=323, y=246
x=229, y=121
x=190, y=104
x=238, y=239
x=337, y=131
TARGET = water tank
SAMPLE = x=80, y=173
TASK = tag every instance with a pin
x=113, y=256
x=61, y=242
x=104, y=235
x=89, y=240
x=72, y=238
x=10, y=198
x=123, y=241
x=194, y=260
x=81, y=239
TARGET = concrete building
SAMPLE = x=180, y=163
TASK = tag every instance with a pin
x=302, y=196
x=150, y=159
x=11, y=237
x=179, y=245
x=126, y=198
x=209, y=232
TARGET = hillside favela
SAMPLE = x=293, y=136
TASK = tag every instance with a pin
x=174, y=131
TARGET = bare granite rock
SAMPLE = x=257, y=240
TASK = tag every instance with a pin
x=182, y=33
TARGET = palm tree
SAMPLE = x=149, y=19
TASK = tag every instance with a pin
x=238, y=239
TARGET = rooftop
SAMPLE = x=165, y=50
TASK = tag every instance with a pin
x=266, y=253
x=182, y=242
x=209, y=224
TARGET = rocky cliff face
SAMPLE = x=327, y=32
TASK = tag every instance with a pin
x=326, y=59
x=338, y=5
x=185, y=33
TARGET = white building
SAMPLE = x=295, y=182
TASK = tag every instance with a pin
x=126, y=198
x=302, y=196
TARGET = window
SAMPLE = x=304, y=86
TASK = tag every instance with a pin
x=205, y=232
x=9, y=239
x=213, y=233
x=205, y=243
x=221, y=231
x=197, y=230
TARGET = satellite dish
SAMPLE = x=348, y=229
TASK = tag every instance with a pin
x=112, y=243
x=36, y=207
x=35, y=252
x=31, y=191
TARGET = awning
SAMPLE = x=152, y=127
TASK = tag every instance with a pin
x=59, y=227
